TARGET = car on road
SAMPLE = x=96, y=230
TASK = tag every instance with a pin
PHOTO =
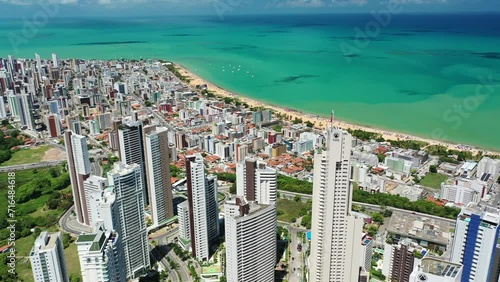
x=299, y=247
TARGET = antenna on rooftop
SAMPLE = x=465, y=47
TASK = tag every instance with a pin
x=332, y=117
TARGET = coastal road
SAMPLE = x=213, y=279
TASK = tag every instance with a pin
x=30, y=166
x=370, y=207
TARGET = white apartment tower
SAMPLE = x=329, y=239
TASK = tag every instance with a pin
x=250, y=240
x=120, y=208
x=256, y=182
x=79, y=171
x=100, y=257
x=475, y=243
x=93, y=184
x=158, y=175
x=183, y=217
x=203, y=207
x=336, y=233
x=47, y=258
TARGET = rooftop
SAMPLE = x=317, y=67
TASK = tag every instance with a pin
x=420, y=227
x=440, y=267
x=86, y=238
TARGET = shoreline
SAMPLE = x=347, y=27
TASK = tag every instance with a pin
x=321, y=122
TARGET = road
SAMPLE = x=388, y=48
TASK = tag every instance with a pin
x=69, y=224
x=296, y=260
x=370, y=207
x=30, y=166
x=163, y=241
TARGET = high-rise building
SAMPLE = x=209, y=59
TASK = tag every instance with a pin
x=158, y=175
x=398, y=260
x=475, y=243
x=79, y=171
x=131, y=147
x=55, y=60
x=250, y=240
x=101, y=258
x=47, y=258
x=3, y=111
x=93, y=184
x=256, y=182
x=54, y=125
x=203, y=207
x=184, y=226
x=123, y=211
x=336, y=232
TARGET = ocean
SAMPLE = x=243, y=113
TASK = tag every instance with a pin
x=430, y=75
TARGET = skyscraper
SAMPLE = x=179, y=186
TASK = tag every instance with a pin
x=101, y=258
x=123, y=211
x=47, y=258
x=93, y=184
x=158, y=175
x=203, y=207
x=131, y=147
x=475, y=243
x=335, y=232
x=250, y=240
x=256, y=182
x=79, y=171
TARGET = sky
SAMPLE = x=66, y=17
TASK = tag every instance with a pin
x=131, y=8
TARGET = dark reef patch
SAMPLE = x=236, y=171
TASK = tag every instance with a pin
x=487, y=55
x=295, y=78
x=111, y=43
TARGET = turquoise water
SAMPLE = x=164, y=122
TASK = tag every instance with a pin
x=434, y=76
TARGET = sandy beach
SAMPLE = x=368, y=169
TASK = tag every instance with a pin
x=321, y=122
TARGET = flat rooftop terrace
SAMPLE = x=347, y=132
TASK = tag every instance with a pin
x=420, y=227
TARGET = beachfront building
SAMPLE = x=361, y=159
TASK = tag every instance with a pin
x=336, y=232
x=250, y=240
x=158, y=176
x=79, y=170
x=47, y=258
x=100, y=256
x=475, y=243
x=203, y=207
x=256, y=182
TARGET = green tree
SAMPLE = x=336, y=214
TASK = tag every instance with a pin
x=309, y=124
x=66, y=239
x=297, y=198
x=378, y=218
x=74, y=278
x=372, y=230
x=433, y=169
x=381, y=158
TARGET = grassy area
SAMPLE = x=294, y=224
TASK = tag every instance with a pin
x=72, y=260
x=24, y=245
x=26, y=156
x=24, y=272
x=289, y=209
x=433, y=180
